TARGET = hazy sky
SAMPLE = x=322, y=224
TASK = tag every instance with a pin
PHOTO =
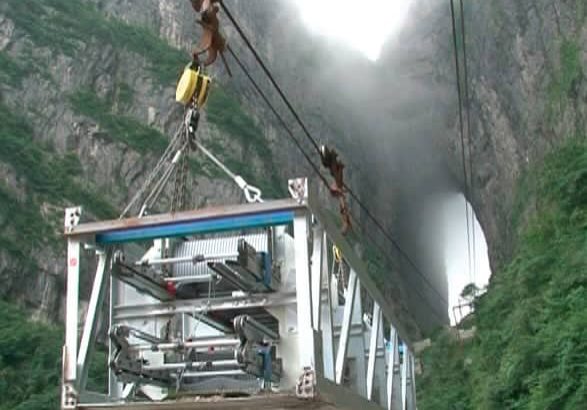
x=363, y=24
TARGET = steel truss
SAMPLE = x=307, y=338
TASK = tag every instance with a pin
x=297, y=320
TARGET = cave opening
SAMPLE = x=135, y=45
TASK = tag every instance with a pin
x=463, y=270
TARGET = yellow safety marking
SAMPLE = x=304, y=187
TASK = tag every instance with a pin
x=337, y=254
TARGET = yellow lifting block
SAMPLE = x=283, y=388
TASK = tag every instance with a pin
x=193, y=85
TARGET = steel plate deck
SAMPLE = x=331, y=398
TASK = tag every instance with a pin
x=330, y=397
x=273, y=402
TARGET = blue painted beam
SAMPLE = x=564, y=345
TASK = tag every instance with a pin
x=201, y=226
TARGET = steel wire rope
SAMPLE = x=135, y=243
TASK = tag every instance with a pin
x=270, y=76
x=162, y=182
x=469, y=141
x=461, y=128
x=252, y=193
x=312, y=140
x=393, y=264
x=394, y=242
x=165, y=157
x=262, y=94
x=325, y=181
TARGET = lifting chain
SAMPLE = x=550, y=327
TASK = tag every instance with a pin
x=159, y=171
x=179, y=200
x=174, y=163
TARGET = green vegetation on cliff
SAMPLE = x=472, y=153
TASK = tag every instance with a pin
x=530, y=349
x=49, y=176
x=127, y=130
x=71, y=28
x=30, y=363
x=31, y=206
x=445, y=382
x=564, y=81
x=66, y=25
x=10, y=71
x=18, y=220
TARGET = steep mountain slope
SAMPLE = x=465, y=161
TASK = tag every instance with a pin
x=87, y=103
x=85, y=113
x=30, y=354
x=528, y=62
x=529, y=351
x=86, y=107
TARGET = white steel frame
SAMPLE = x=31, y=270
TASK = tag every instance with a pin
x=329, y=336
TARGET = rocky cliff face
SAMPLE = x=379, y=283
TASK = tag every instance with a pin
x=526, y=64
x=528, y=91
x=527, y=61
x=527, y=87
x=87, y=107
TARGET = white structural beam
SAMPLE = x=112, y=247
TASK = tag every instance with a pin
x=193, y=306
x=303, y=292
x=317, y=271
x=393, y=398
x=69, y=393
x=412, y=404
x=71, y=310
x=358, y=265
x=328, y=319
x=380, y=382
x=343, y=343
x=373, y=349
x=404, y=376
x=408, y=382
x=92, y=317
x=114, y=387
x=357, y=345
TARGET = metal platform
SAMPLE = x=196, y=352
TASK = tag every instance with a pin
x=229, y=300
x=333, y=397
x=273, y=402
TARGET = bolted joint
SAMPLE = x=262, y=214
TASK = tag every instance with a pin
x=298, y=189
x=72, y=216
x=306, y=384
x=69, y=398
